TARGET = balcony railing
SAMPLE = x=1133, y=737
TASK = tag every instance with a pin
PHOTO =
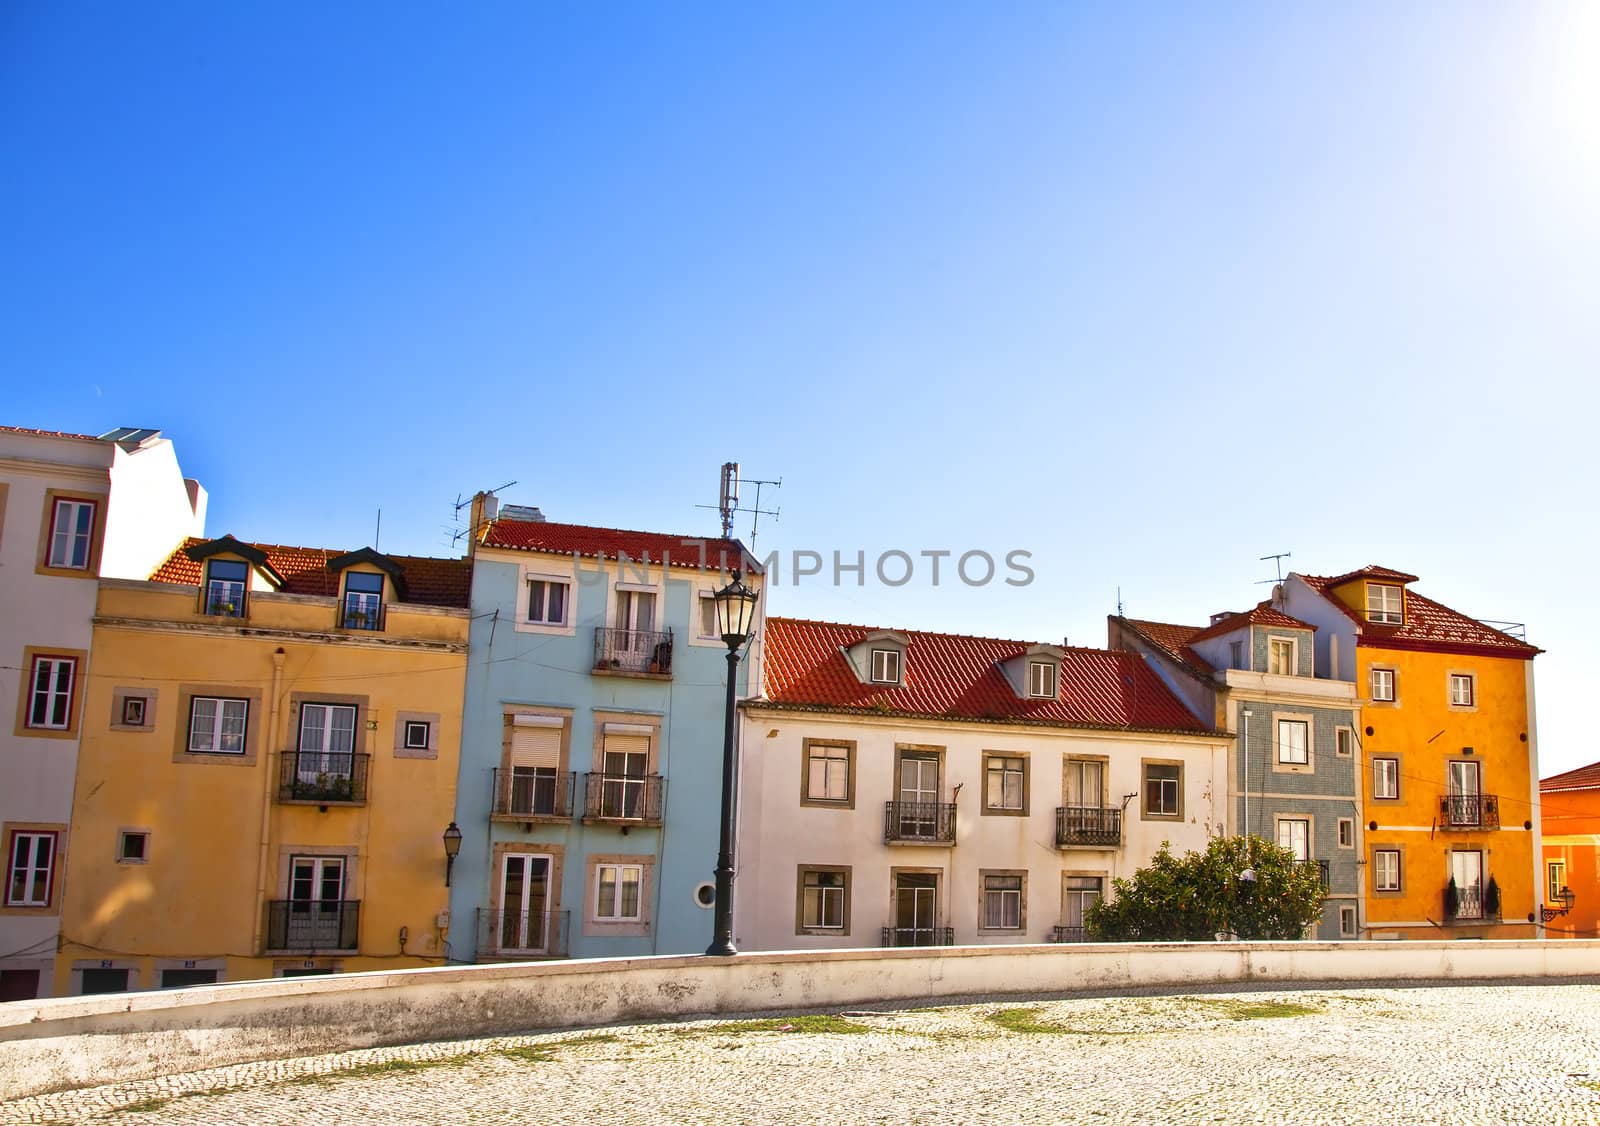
x=524, y=792
x=1088, y=825
x=1069, y=934
x=1469, y=811
x=623, y=797
x=355, y=616
x=919, y=822
x=1320, y=867
x=633, y=651
x=1470, y=906
x=325, y=778
x=313, y=924
x=919, y=936
x=518, y=935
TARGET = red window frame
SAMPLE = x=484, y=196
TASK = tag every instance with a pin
x=50, y=540
x=50, y=873
x=32, y=689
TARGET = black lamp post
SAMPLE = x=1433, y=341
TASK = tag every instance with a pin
x=452, y=845
x=736, y=612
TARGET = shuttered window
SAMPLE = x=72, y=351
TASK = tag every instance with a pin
x=535, y=747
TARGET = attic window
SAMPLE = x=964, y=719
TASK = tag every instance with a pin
x=886, y=666
x=1384, y=604
x=1042, y=679
x=226, y=580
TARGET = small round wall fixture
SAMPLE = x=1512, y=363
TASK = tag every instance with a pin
x=705, y=895
x=1372, y=826
x=1524, y=736
x=1370, y=731
x=1527, y=824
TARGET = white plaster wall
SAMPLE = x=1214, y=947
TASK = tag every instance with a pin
x=151, y=511
x=80, y=1041
x=778, y=834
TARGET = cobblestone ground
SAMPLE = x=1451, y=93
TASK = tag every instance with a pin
x=1459, y=1055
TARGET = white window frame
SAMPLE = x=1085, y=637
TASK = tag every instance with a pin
x=1344, y=741
x=1348, y=929
x=1457, y=680
x=1008, y=900
x=1275, y=643
x=705, y=603
x=832, y=755
x=1043, y=680
x=1008, y=768
x=218, y=718
x=73, y=537
x=412, y=725
x=1284, y=747
x=56, y=695
x=223, y=592
x=1347, y=832
x=126, y=835
x=1177, y=789
x=617, y=870
x=1386, y=770
x=1301, y=821
x=32, y=871
x=891, y=659
x=1378, y=883
x=1378, y=609
x=825, y=894
x=1391, y=681
x=546, y=582
x=1555, y=878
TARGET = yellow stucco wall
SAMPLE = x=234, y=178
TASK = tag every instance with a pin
x=217, y=827
x=1425, y=733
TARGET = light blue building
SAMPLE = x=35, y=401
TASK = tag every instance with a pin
x=591, y=757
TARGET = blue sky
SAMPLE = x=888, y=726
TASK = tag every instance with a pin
x=1148, y=293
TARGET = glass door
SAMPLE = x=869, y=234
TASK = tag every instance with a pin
x=916, y=904
x=316, y=900
x=524, y=902
x=1078, y=894
x=919, y=796
x=1466, y=868
x=1464, y=793
x=327, y=740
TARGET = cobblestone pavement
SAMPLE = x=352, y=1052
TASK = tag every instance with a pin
x=1459, y=1055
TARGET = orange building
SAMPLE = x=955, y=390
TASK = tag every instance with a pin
x=1570, y=806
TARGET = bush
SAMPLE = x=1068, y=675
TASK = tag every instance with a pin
x=1199, y=895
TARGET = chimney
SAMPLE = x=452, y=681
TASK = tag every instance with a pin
x=485, y=508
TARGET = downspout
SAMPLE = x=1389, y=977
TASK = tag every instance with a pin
x=262, y=858
x=1246, y=713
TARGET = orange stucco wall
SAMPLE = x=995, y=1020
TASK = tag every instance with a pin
x=1571, y=836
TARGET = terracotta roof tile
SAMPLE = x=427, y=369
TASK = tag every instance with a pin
x=32, y=433
x=610, y=543
x=1429, y=625
x=1174, y=640
x=429, y=582
x=1263, y=614
x=959, y=677
x=1583, y=778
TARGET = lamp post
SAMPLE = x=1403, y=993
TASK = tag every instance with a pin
x=452, y=845
x=736, y=610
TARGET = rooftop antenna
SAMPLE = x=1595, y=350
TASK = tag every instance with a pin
x=1278, y=559
x=728, y=501
x=1119, y=602
x=455, y=536
x=378, y=533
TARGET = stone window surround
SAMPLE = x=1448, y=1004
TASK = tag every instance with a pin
x=941, y=909
x=593, y=927
x=1311, y=830
x=58, y=864
x=1022, y=917
x=1400, y=871
x=919, y=749
x=1372, y=775
x=1370, y=701
x=497, y=854
x=255, y=719
x=637, y=719
x=80, y=659
x=121, y=694
x=800, y=927
x=401, y=719
x=133, y=830
x=1350, y=821
x=97, y=540
x=987, y=810
x=1472, y=679
x=1144, y=765
x=849, y=747
x=1310, y=765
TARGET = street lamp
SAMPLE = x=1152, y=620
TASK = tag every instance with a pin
x=452, y=845
x=736, y=611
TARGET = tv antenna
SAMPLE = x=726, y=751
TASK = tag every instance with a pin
x=728, y=501
x=455, y=537
x=1278, y=559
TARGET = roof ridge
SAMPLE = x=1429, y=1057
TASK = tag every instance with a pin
x=944, y=633
x=606, y=528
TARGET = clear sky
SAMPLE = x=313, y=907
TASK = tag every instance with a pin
x=1148, y=294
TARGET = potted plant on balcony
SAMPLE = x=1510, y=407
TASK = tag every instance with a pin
x=1491, y=899
x=222, y=608
x=1452, y=899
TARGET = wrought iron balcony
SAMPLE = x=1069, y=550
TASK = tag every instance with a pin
x=632, y=651
x=518, y=936
x=322, y=778
x=1318, y=866
x=524, y=792
x=624, y=798
x=1092, y=825
x=1471, y=905
x=313, y=924
x=919, y=936
x=919, y=822
x=1469, y=811
x=1069, y=934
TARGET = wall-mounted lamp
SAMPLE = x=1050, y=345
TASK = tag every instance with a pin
x=452, y=845
x=1566, y=898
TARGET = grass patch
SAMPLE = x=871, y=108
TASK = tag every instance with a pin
x=1255, y=1010
x=1026, y=1021
x=817, y=1023
x=529, y=1053
x=1592, y=1084
x=144, y=1105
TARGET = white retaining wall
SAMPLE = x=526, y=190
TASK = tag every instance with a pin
x=59, y=1044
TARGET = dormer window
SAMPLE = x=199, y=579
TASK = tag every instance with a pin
x=1384, y=604
x=226, y=581
x=363, y=600
x=886, y=666
x=1281, y=656
x=1042, y=680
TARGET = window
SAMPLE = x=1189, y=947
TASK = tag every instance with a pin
x=217, y=725
x=187, y=978
x=1163, y=785
x=133, y=846
x=525, y=918
x=547, y=602
x=1078, y=894
x=1042, y=679
x=50, y=692
x=1085, y=783
x=31, y=866
x=104, y=981
x=1294, y=834
x=824, y=899
x=325, y=761
x=1293, y=735
x=133, y=711
x=1002, y=902
x=535, y=765
x=1386, y=778
x=71, y=534
x=1383, y=604
x=1386, y=869
x=1280, y=656
x=636, y=611
x=417, y=731
x=616, y=892
x=886, y=666
x=1383, y=685
x=708, y=617
x=623, y=767
x=1004, y=783
x=1236, y=654
x=1347, y=832
x=1460, y=690
x=1347, y=922
x=1555, y=880
x=827, y=773
x=363, y=600
x=226, y=580
x=1344, y=741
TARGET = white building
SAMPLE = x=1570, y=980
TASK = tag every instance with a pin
x=906, y=788
x=73, y=508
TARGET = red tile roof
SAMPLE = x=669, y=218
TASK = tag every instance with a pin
x=611, y=543
x=32, y=433
x=1429, y=625
x=1263, y=614
x=1583, y=778
x=949, y=676
x=1174, y=640
x=429, y=582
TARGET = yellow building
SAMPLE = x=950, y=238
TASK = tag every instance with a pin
x=268, y=764
x=1450, y=839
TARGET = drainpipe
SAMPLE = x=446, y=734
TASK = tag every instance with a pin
x=1247, y=713
x=269, y=738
